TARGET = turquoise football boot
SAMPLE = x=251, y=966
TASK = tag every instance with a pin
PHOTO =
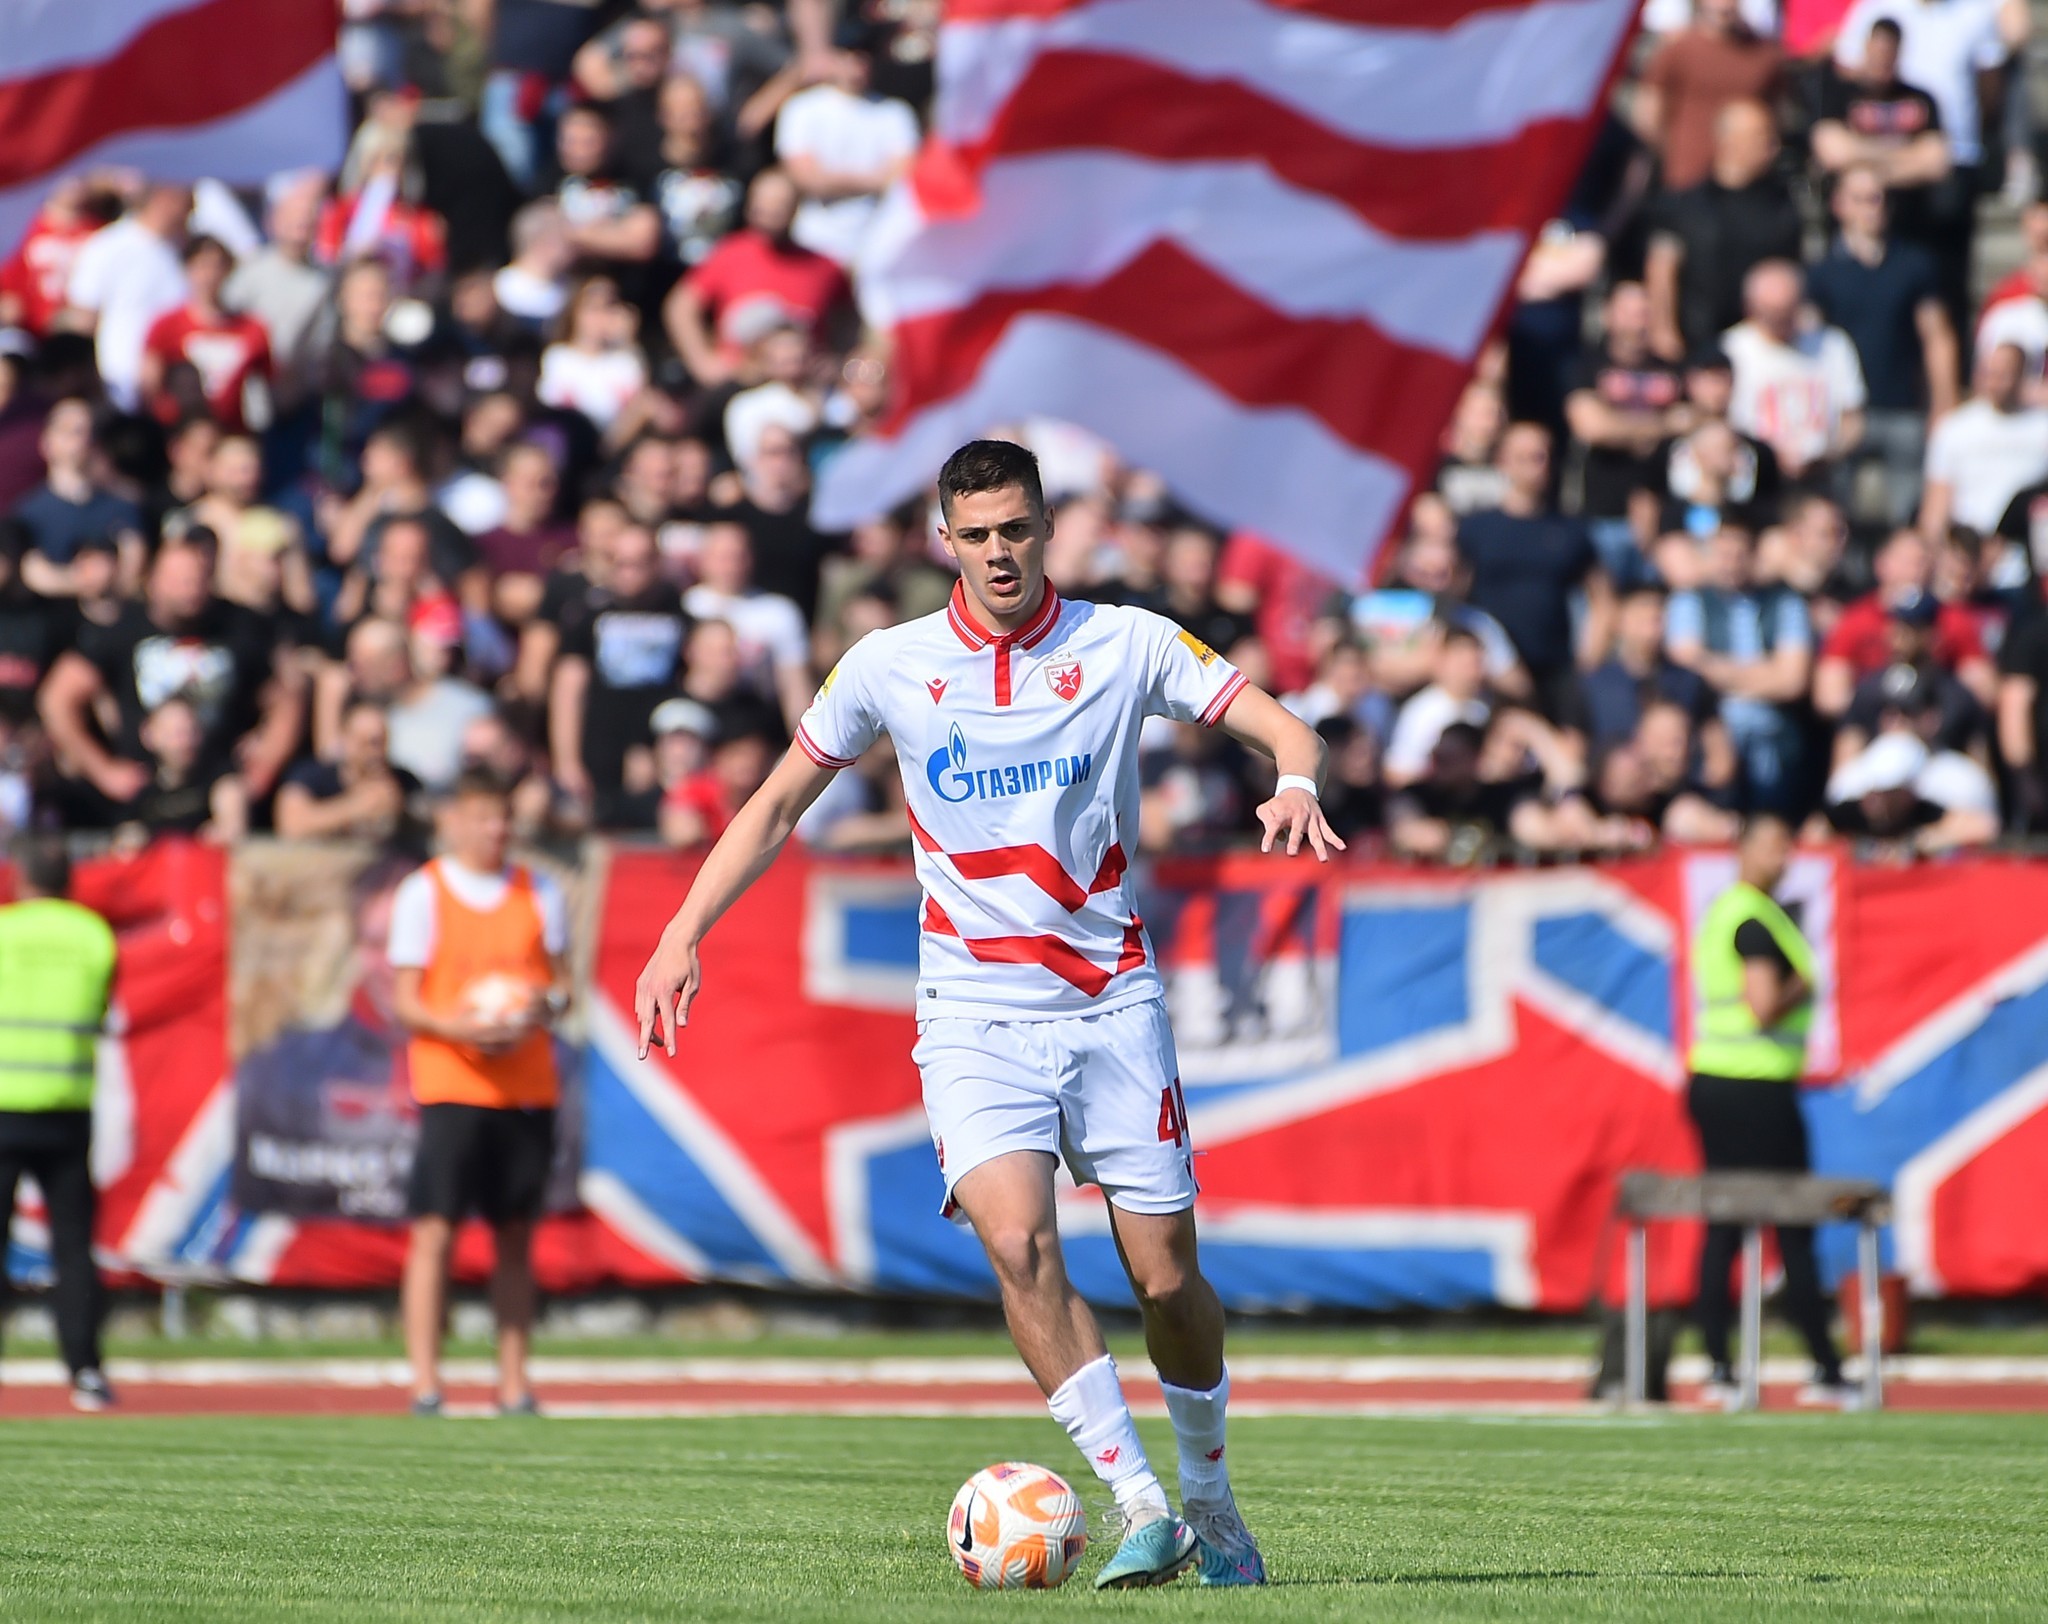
x=1153, y=1552
x=1227, y=1553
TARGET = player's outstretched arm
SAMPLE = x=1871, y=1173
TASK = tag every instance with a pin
x=661, y=998
x=1259, y=721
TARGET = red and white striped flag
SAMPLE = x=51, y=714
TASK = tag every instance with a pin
x=180, y=89
x=1254, y=244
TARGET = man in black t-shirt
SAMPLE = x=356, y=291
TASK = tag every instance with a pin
x=615, y=667
x=613, y=228
x=1623, y=403
x=1870, y=116
x=1527, y=560
x=1706, y=239
x=34, y=630
x=180, y=641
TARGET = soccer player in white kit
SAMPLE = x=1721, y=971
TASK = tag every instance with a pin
x=1042, y=1030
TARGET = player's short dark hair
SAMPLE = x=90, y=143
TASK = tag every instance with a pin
x=990, y=465
x=477, y=782
x=42, y=863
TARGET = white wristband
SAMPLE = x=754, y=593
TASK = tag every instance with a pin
x=1290, y=781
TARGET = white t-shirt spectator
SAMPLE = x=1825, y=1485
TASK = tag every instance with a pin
x=768, y=627
x=1792, y=396
x=1986, y=457
x=597, y=383
x=1422, y=722
x=1941, y=49
x=848, y=134
x=413, y=924
x=128, y=276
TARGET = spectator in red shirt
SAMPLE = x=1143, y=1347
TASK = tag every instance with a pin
x=228, y=353
x=32, y=282
x=1861, y=643
x=758, y=266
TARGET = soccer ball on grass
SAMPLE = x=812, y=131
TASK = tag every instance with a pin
x=1015, y=1526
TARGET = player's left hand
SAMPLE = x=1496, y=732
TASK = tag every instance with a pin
x=1301, y=816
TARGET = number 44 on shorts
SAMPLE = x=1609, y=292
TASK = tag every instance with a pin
x=1173, y=1115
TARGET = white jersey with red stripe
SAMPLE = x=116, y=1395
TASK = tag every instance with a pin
x=1019, y=756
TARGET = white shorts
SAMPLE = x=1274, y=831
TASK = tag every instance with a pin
x=1101, y=1091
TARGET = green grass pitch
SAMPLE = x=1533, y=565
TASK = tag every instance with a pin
x=1680, y=1518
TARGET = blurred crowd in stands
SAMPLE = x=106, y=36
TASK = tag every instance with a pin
x=495, y=448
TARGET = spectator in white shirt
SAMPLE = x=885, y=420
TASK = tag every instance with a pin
x=596, y=367
x=1457, y=695
x=126, y=276
x=774, y=645
x=842, y=147
x=1984, y=451
x=1798, y=385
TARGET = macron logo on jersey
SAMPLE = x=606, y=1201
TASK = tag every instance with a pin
x=953, y=780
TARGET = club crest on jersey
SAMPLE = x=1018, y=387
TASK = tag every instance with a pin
x=1063, y=677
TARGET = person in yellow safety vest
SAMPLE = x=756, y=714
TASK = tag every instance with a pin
x=56, y=966
x=1753, y=979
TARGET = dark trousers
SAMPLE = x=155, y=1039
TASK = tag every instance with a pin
x=1746, y=1124
x=54, y=1148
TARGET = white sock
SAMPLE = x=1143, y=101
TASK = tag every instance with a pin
x=1090, y=1405
x=1198, y=1429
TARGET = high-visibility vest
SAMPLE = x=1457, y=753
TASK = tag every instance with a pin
x=1727, y=1041
x=56, y=965
x=510, y=939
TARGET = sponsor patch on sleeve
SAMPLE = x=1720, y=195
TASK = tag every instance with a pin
x=1199, y=649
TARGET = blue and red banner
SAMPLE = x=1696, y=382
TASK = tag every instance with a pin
x=1407, y=1088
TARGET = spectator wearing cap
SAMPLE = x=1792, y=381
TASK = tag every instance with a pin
x=203, y=347
x=357, y=796
x=125, y=276
x=281, y=287
x=1913, y=685
x=1753, y=645
x=1798, y=387
x=1862, y=641
x=1705, y=240
x=842, y=145
x=759, y=266
x=1985, y=452
x=774, y=644
x=71, y=504
x=683, y=733
x=1695, y=73
x=1528, y=561
x=1624, y=404
x=1886, y=296
x=1897, y=791
x=614, y=668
